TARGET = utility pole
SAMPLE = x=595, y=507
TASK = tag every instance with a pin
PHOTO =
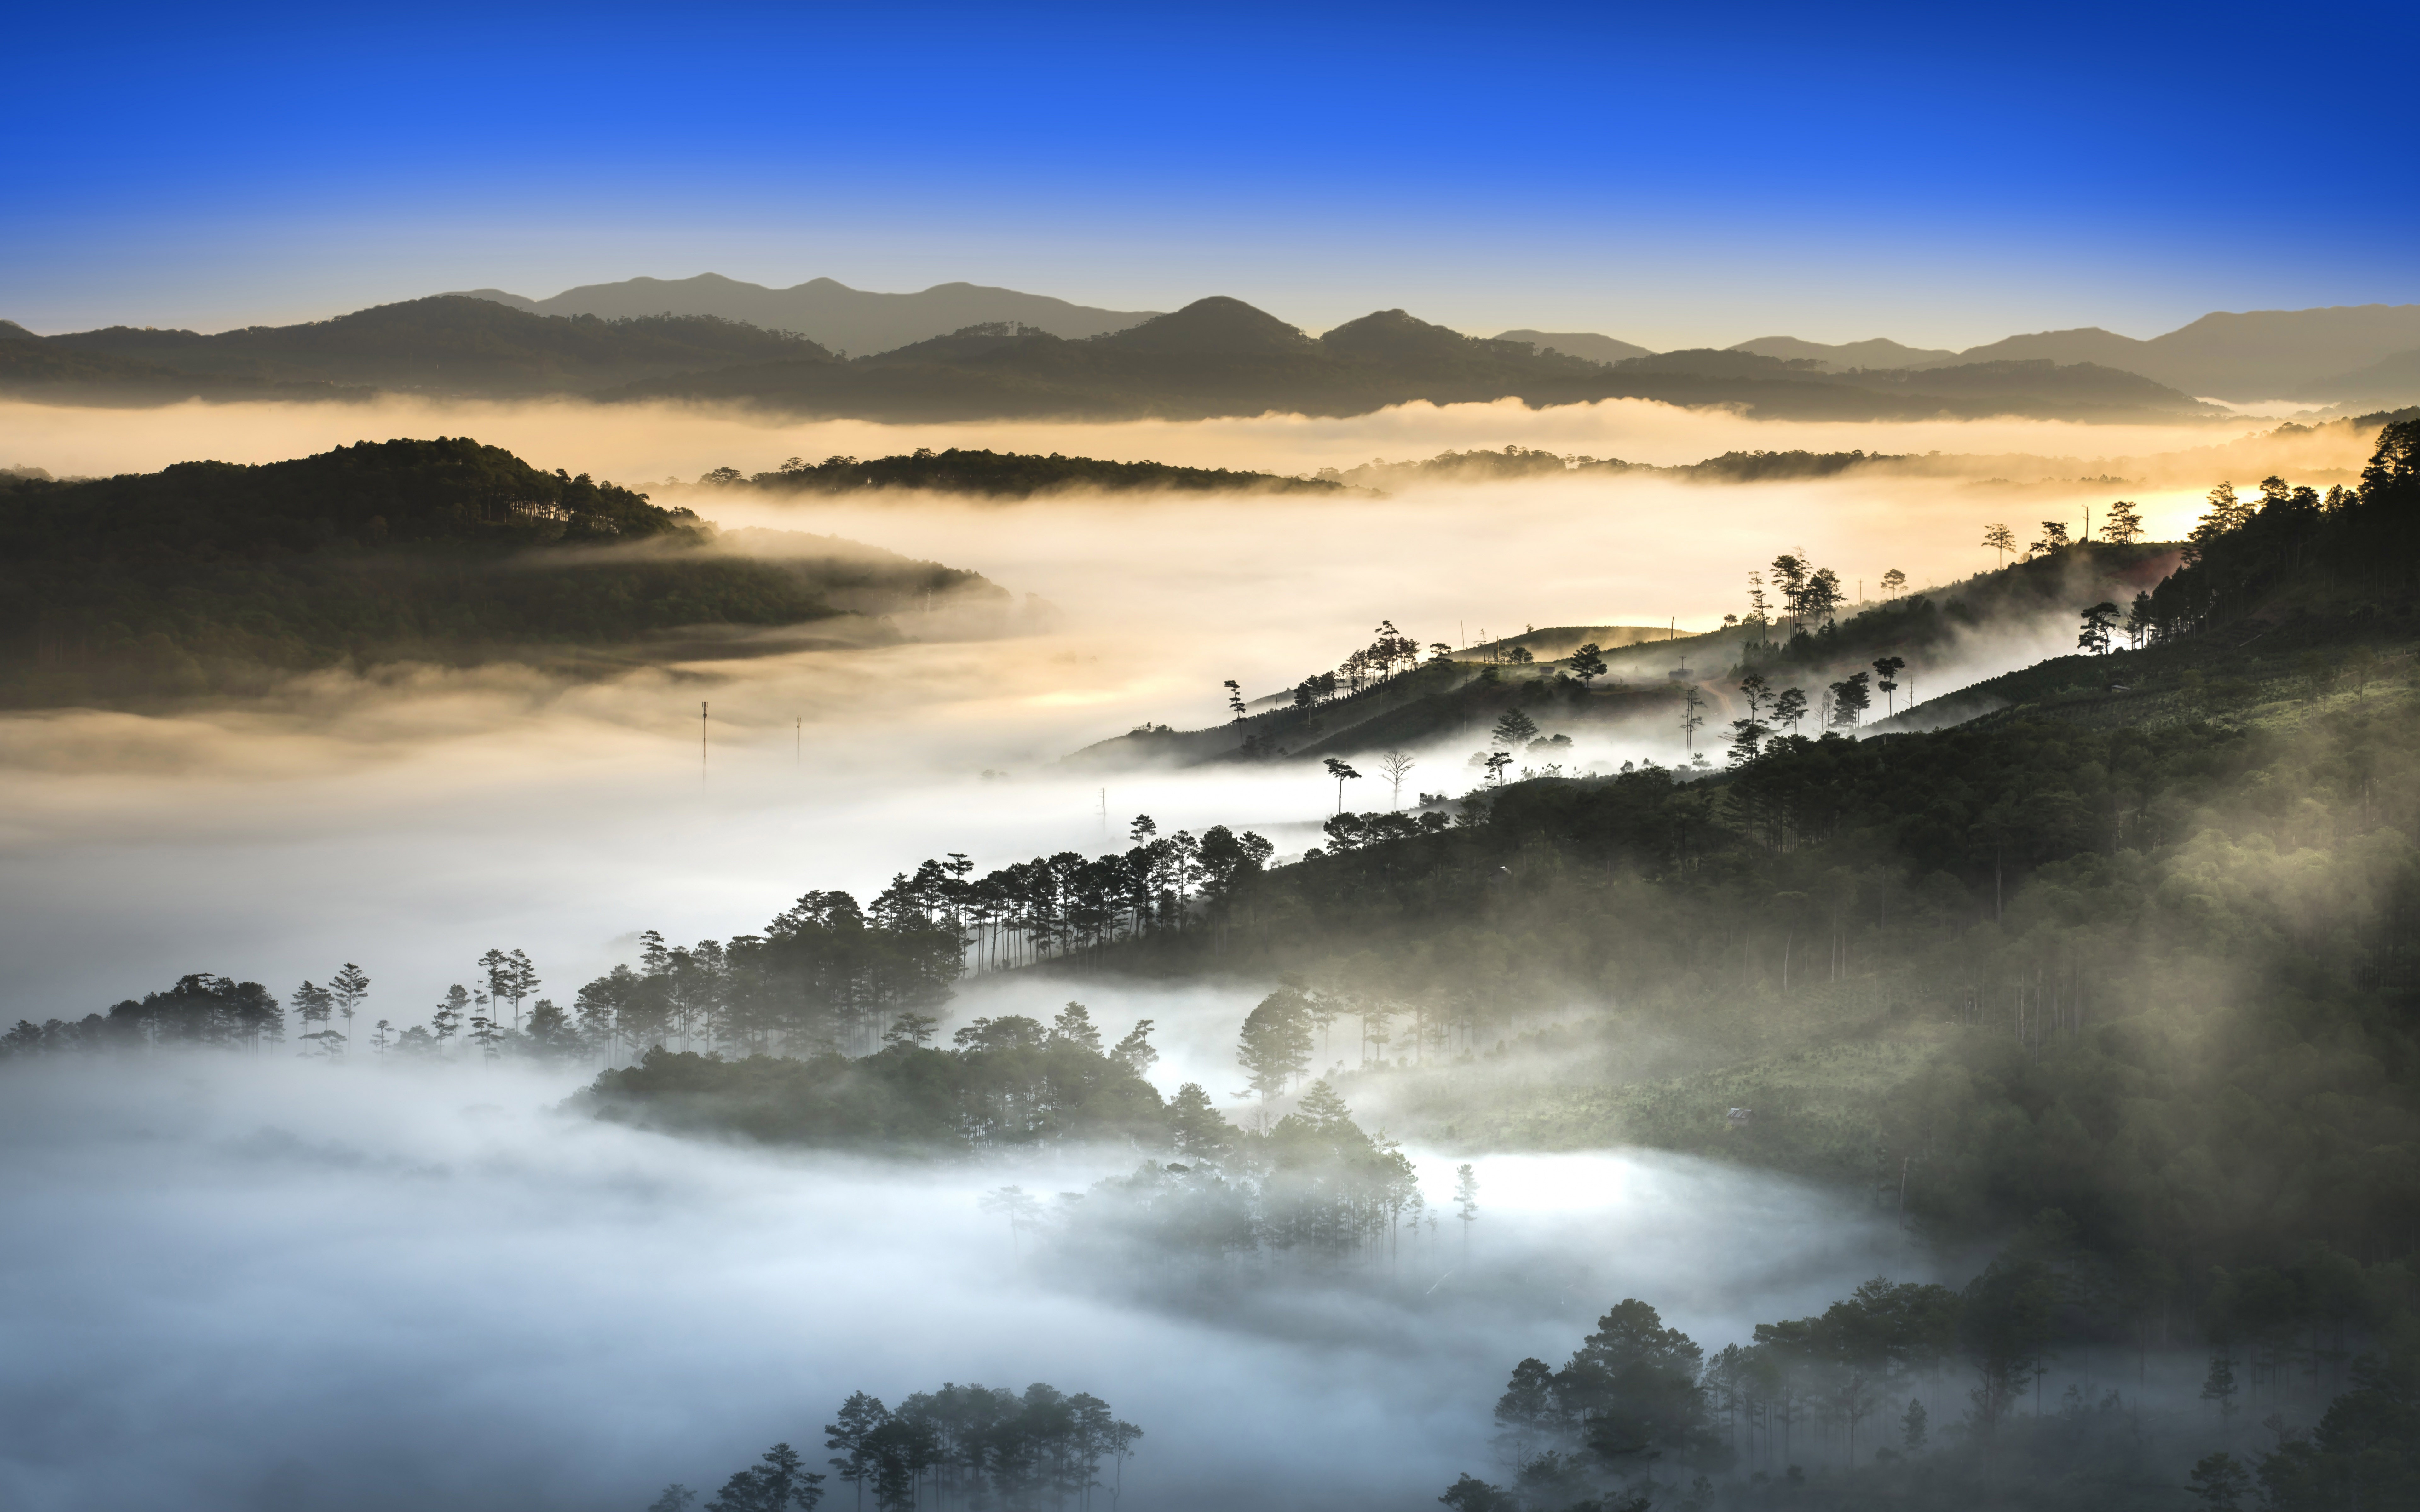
x=798, y=743
x=701, y=739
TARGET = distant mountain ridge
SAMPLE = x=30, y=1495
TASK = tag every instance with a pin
x=447, y=343
x=1876, y=353
x=828, y=312
x=1220, y=356
x=1586, y=344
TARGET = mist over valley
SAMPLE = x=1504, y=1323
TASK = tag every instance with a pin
x=1578, y=762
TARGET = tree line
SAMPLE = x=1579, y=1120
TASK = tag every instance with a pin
x=970, y=1446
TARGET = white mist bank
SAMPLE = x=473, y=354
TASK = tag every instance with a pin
x=639, y=444
x=240, y=1285
x=411, y=819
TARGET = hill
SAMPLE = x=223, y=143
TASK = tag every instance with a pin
x=450, y=343
x=1008, y=475
x=208, y=578
x=37, y=368
x=829, y=312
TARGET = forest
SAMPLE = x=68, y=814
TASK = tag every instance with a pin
x=988, y=474
x=215, y=578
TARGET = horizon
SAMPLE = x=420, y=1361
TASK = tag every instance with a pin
x=1711, y=343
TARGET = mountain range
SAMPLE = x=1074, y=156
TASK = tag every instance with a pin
x=2345, y=354
x=834, y=315
x=1215, y=357
x=2320, y=356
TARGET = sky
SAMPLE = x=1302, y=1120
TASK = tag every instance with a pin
x=1673, y=176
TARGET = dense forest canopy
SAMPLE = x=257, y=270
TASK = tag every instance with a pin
x=213, y=577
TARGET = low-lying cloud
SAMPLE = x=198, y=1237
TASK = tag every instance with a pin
x=241, y=1285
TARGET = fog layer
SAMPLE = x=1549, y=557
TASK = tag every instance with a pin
x=267, y=1285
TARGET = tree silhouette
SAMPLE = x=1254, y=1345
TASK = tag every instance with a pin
x=346, y=989
x=2124, y=526
x=1396, y=766
x=1886, y=669
x=1692, y=699
x=2000, y=539
x=2098, y=622
x=1275, y=1045
x=1343, y=774
x=1019, y=1205
x=1234, y=698
x=313, y=1003
x=1496, y=763
x=1513, y=731
x=1588, y=663
x=1849, y=701
x=1789, y=707
x=1893, y=580
x=1465, y=1204
x=2219, y=1386
x=780, y=1483
x=2220, y=1482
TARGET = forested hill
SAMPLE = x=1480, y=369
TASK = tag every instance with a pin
x=1009, y=475
x=213, y=577
x=449, y=342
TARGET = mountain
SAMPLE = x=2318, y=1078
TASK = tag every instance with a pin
x=210, y=577
x=1220, y=356
x=12, y=331
x=2257, y=354
x=1876, y=353
x=1582, y=343
x=449, y=342
x=832, y=313
x=2392, y=381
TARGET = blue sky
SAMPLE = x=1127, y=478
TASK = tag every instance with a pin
x=1670, y=175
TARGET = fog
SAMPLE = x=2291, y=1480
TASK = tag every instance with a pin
x=238, y=1283
x=412, y=819
x=269, y=1283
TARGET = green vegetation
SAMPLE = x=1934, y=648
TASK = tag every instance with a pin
x=210, y=577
